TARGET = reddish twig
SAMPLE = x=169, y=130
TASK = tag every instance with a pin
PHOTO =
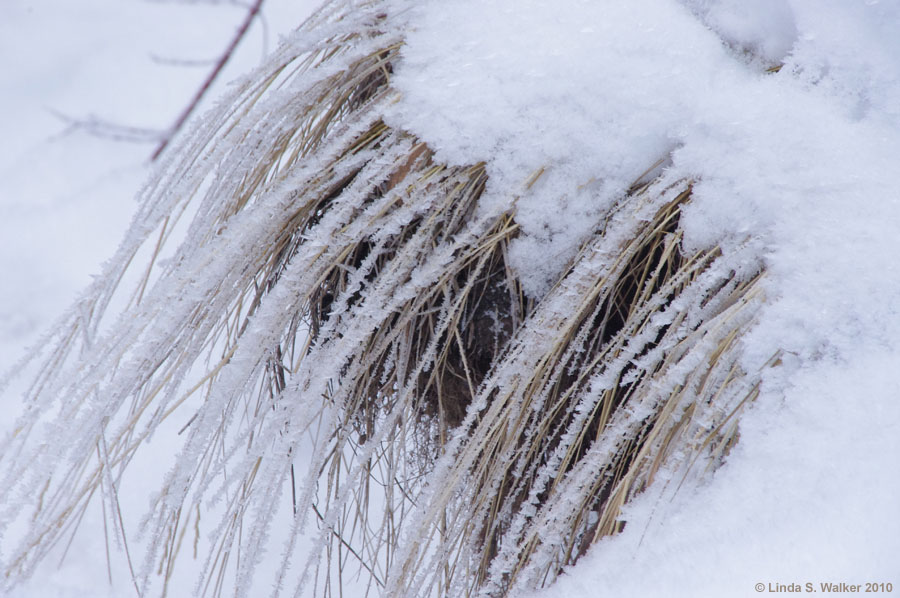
x=220, y=64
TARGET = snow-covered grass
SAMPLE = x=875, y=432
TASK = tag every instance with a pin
x=734, y=163
x=785, y=115
x=808, y=495
x=66, y=195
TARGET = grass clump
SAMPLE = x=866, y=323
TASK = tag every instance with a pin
x=340, y=295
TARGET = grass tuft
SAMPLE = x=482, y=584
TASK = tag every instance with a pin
x=339, y=295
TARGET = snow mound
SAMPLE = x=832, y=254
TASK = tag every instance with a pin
x=593, y=94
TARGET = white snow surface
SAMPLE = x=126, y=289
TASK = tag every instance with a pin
x=803, y=163
x=800, y=165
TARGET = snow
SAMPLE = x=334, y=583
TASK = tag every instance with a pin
x=572, y=87
x=799, y=166
x=765, y=29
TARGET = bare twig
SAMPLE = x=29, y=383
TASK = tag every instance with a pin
x=220, y=64
x=104, y=129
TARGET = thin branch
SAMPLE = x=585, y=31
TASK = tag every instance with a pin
x=220, y=64
x=105, y=129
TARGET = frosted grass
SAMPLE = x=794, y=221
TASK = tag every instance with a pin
x=537, y=263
